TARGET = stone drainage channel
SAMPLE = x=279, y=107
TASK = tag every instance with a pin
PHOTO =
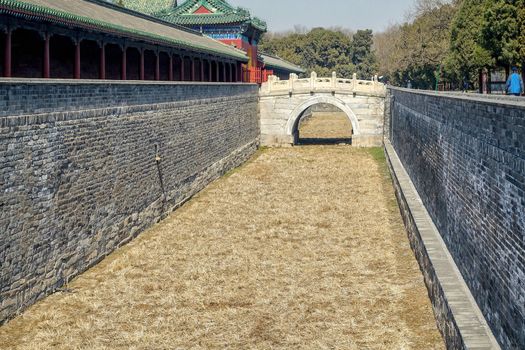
x=300, y=248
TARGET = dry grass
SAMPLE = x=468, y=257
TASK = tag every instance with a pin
x=326, y=125
x=301, y=248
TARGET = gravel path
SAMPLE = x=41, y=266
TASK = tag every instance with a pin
x=301, y=248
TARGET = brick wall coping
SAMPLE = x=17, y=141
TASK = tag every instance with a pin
x=21, y=81
x=497, y=100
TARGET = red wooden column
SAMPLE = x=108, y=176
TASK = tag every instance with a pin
x=234, y=72
x=224, y=71
x=202, y=69
x=157, y=66
x=239, y=72
x=218, y=70
x=210, y=78
x=192, y=68
x=170, y=68
x=182, y=75
x=8, y=53
x=231, y=72
x=77, y=59
x=47, y=58
x=124, y=64
x=102, y=63
x=142, y=64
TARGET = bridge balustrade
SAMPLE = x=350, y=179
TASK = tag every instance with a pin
x=314, y=83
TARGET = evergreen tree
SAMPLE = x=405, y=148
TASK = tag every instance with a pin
x=363, y=57
x=521, y=29
x=502, y=30
x=321, y=50
x=467, y=56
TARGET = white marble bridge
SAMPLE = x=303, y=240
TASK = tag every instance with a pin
x=283, y=103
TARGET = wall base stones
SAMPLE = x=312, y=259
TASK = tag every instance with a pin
x=457, y=315
x=88, y=166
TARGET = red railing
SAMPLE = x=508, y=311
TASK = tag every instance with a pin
x=256, y=75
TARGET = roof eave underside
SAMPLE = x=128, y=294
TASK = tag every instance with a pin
x=190, y=20
x=278, y=63
x=190, y=41
x=285, y=68
x=226, y=15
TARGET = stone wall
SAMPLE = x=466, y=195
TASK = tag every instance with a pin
x=466, y=158
x=87, y=166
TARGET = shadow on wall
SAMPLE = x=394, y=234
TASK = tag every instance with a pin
x=323, y=124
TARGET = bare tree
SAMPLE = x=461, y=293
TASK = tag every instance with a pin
x=421, y=7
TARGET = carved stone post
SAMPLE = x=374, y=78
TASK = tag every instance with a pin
x=291, y=81
x=354, y=81
x=334, y=80
x=313, y=81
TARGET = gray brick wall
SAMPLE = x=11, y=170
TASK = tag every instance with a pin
x=466, y=158
x=79, y=174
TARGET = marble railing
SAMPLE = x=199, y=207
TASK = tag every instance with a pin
x=315, y=83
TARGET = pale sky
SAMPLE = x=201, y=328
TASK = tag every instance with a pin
x=282, y=15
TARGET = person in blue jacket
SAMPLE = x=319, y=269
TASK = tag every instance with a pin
x=515, y=83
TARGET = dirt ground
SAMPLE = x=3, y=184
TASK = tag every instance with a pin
x=301, y=248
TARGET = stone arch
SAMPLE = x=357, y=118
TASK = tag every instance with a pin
x=295, y=116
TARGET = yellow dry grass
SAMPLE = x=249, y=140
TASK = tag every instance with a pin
x=301, y=248
x=326, y=125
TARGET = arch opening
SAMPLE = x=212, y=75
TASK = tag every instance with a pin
x=323, y=124
x=322, y=120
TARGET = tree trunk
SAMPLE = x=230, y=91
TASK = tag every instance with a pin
x=480, y=81
x=489, y=81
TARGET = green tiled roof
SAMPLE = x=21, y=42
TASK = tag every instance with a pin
x=278, y=63
x=93, y=15
x=222, y=13
x=215, y=6
x=148, y=6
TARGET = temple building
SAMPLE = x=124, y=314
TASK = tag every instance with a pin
x=221, y=21
x=94, y=39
